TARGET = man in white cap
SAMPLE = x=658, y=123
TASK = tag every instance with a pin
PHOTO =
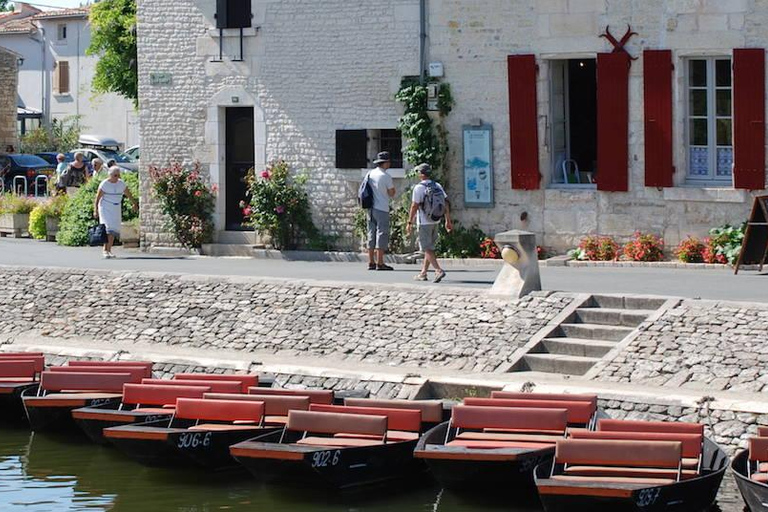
x=378, y=218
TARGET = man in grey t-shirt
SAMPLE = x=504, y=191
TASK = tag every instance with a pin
x=378, y=218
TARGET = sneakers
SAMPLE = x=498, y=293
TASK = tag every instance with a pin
x=440, y=276
x=384, y=267
x=420, y=277
x=107, y=255
x=371, y=266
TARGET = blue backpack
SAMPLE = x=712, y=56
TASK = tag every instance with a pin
x=365, y=194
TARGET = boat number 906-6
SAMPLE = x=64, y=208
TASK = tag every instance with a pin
x=325, y=459
x=648, y=497
x=195, y=440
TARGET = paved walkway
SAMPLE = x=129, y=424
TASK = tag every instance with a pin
x=705, y=284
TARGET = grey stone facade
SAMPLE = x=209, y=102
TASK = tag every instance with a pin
x=9, y=79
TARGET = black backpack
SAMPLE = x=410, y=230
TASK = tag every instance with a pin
x=365, y=194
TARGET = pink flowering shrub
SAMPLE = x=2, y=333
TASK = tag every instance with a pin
x=644, y=247
x=188, y=202
x=596, y=248
x=690, y=250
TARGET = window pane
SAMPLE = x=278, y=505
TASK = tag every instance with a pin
x=699, y=102
x=699, y=132
x=724, y=137
x=699, y=161
x=698, y=71
x=723, y=72
x=724, y=161
x=724, y=102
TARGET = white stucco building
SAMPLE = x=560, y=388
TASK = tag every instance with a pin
x=665, y=134
x=55, y=75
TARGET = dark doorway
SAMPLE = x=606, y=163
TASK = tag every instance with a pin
x=582, y=95
x=240, y=156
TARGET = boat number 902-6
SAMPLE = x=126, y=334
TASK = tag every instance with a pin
x=195, y=440
x=648, y=497
x=325, y=459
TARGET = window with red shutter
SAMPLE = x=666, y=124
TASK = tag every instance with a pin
x=523, y=128
x=657, y=78
x=749, y=118
x=613, y=122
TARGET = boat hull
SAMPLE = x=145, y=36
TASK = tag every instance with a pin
x=210, y=450
x=53, y=413
x=755, y=494
x=11, y=403
x=93, y=420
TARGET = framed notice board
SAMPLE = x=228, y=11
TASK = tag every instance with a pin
x=754, y=249
x=478, y=166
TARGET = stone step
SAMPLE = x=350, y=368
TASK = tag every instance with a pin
x=611, y=316
x=557, y=363
x=627, y=302
x=595, y=332
x=577, y=347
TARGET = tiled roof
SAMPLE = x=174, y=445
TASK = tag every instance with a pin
x=78, y=12
x=22, y=26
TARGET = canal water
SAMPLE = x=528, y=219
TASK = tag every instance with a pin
x=39, y=473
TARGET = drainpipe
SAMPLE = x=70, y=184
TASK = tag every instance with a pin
x=43, y=108
x=423, y=42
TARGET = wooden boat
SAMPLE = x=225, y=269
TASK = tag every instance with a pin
x=246, y=381
x=633, y=466
x=50, y=407
x=337, y=447
x=17, y=375
x=199, y=433
x=750, y=469
x=141, y=403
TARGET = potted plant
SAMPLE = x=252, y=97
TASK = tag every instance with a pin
x=14, y=215
x=53, y=212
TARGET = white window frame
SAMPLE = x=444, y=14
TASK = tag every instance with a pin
x=711, y=179
x=62, y=28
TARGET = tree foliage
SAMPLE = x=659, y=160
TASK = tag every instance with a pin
x=61, y=136
x=5, y=5
x=113, y=39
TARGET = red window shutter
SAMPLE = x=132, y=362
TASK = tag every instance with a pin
x=523, y=128
x=613, y=122
x=749, y=118
x=657, y=73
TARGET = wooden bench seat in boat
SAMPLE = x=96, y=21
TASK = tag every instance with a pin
x=316, y=396
x=12, y=370
x=650, y=426
x=339, y=442
x=137, y=372
x=402, y=424
x=492, y=445
x=559, y=397
x=84, y=381
x=757, y=469
x=220, y=427
x=37, y=361
x=431, y=410
x=505, y=436
x=579, y=413
x=360, y=429
x=276, y=407
x=226, y=386
x=139, y=396
x=246, y=381
x=223, y=411
x=115, y=364
x=20, y=355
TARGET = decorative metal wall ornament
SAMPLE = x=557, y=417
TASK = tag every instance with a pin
x=620, y=46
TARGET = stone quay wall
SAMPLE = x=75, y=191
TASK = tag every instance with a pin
x=437, y=328
x=704, y=345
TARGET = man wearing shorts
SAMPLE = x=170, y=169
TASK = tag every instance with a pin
x=427, y=228
x=378, y=218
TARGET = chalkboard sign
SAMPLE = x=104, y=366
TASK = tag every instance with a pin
x=754, y=250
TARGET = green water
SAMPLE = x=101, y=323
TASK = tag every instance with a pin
x=40, y=473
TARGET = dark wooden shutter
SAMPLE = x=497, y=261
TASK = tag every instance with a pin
x=523, y=127
x=351, y=149
x=63, y=77
x=613, y=122
x=749, y=118
x=657, y=76
x=233, y=13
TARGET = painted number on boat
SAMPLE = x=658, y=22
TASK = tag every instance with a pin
x=195, y=440
x=325, y=459
x=648, y=497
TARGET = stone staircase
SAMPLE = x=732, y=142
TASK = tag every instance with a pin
x=593, y=330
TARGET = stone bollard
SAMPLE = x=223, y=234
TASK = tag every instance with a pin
x=520, y=274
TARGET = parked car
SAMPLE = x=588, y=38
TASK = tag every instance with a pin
x=105, y=148
x=133, y=152
x=30, y=166
x=50, y=157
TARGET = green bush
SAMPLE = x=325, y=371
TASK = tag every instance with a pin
x=462, y=242
x=78, y=213
x=11, y=203
x=37, y=222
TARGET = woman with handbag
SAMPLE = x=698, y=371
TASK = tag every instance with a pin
x=108, y=207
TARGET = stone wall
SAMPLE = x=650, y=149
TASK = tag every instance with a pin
x=9, y=79
x=698, y=345
x=439, y=328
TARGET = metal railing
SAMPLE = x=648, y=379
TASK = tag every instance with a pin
x=23, y=180
x=46, y=191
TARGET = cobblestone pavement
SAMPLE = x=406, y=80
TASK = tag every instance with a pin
x=707, y=284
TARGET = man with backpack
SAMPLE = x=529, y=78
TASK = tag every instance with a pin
x=429, y=206
x=375, y=191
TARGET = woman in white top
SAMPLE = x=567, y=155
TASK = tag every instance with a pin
x=108, y=206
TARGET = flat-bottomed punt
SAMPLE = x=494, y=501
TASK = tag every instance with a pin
x=750, y=469
x=18, y=373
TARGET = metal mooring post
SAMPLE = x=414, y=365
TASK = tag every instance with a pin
x=520, y=274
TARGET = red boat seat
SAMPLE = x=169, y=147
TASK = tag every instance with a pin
x=218, y=427
x=339, y=442
x=154, y=410
x=501, y=436
x=335, y=423
x=692, y=443
x=650, y=426
x=431, y=410
x=219, y=410
x=640, y=482
x=533, y=419
x=245, y=380
x=116, y=364
x=226, y=386
x=316, y=396
x=38, y=361
x=392, y=435
x=760, y=477
x=84, y=381
x=20, y=355
x=612, y=471
x=559, y=397
x=397, y=419
x=136, y=372
x=762, y=431
x=490, y=445
x=758, y=449
x=275, y=420
x=148, y=394
x=579, y=413
x=13, y=369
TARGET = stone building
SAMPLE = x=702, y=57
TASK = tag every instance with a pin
x=9, y=78
x=661, y=131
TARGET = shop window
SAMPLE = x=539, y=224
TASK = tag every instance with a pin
x=710, y=120
x=357, y=149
